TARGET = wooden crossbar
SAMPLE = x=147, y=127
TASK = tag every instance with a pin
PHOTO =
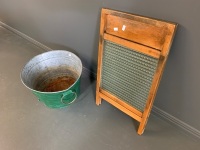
x=146, y=38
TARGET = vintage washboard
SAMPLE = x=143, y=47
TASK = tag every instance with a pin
x=132, y=54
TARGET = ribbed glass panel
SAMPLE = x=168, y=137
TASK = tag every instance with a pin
x=127, y=74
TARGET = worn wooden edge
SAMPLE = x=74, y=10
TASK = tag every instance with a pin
x=169, y=39
x=120, y=107
x=137, y=17
x=114, y=98
x=134, y=46
x=100, y=53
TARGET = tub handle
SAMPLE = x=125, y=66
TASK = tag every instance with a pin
x=66, y=94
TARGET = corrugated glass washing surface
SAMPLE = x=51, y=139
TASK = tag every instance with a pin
x=127, y=74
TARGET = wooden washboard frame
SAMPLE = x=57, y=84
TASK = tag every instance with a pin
x=145, y=39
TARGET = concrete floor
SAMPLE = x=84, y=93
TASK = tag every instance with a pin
x=26, y=124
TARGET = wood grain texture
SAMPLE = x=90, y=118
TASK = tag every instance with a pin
x=134, y=46
x=122, y=108
x=117, y=100
x=139, y=32
x=100, y=52
x=149, y=36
